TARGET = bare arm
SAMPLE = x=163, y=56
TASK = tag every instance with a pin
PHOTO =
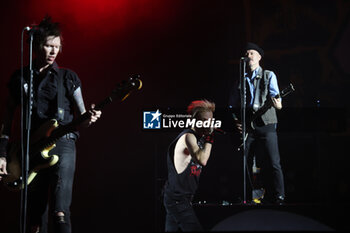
x=198, y=154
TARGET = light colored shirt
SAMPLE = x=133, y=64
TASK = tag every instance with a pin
x=273, y=87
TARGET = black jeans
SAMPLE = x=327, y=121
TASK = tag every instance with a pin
x=180, y=215
x=263, y=144
x=51, y=190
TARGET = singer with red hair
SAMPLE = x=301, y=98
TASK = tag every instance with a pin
x=187, y=155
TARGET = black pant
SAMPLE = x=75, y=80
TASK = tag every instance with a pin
x=263, y=144
x=180, y=215
x=53, y=186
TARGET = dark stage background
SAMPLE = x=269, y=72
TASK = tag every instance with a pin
x=187, y=50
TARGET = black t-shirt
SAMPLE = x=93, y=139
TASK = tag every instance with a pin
x=186, y=183
x=45, y=93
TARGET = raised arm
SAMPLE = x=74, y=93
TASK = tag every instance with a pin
x=198, y=154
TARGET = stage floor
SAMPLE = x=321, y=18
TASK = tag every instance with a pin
x=288, y=217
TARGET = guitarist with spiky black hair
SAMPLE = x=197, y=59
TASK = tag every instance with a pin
x=57, y=93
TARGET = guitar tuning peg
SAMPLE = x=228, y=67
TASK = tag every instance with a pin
x=134, y=76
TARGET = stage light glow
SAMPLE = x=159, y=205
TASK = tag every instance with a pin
x=103, y=16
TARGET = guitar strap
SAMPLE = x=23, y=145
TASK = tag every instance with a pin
x=60, y=95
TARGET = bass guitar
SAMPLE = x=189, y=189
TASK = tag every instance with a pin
x=267, y=105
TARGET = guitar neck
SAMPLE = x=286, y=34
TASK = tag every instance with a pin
x=121, y=92
x=71, y=127
x=268, y=104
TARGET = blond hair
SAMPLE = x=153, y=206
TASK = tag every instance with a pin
x=200, y=106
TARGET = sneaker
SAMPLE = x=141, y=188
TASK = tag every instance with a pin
x=279, y=200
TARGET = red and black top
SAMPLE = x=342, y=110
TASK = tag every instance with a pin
x=185, y=183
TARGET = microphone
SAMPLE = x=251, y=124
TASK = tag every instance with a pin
x=220, y=131
x=245, y=59
x=31, y=30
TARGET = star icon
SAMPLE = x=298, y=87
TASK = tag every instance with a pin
x=156, y=115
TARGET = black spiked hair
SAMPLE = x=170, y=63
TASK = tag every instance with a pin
x=43, y=30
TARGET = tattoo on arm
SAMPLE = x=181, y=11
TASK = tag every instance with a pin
x=78, y=97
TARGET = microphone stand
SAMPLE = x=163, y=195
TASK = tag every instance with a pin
x=25, y=157
x=243, y=92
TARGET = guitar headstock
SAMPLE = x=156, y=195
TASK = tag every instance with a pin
x=286, y=91
x=123, y=89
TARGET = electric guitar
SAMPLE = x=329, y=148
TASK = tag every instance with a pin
x=43, y=140
x=267, y=105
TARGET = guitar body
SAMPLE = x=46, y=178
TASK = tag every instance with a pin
x=252, y=117
x=37, y=159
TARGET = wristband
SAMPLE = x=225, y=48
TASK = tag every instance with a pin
x=209, y=138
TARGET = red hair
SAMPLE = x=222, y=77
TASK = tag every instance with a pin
x=200, y=106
